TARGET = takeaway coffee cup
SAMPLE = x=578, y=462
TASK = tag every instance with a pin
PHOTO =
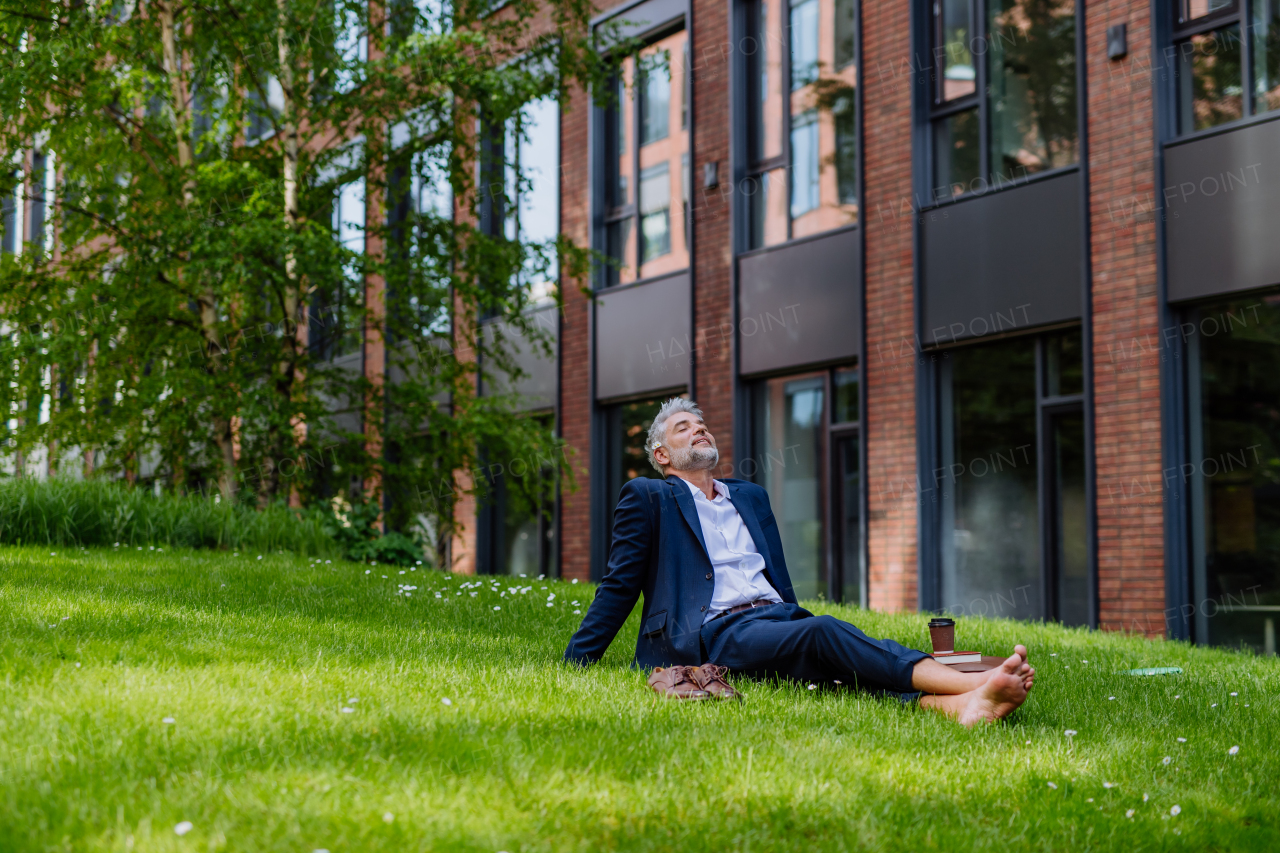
x=942, y=632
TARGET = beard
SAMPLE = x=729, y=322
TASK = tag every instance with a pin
x=694, y=458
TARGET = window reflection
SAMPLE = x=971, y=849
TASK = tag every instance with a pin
x=1033, y=86
x=1266, y=55
x=790, y=423
x=1209, y=80
x=959, y=78
x=648, y=95
x=1235, y=471
x=988, y=482
x=956, y=155
x=802, y=174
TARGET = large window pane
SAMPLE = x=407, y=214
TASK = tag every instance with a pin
x=1063, y=366
x=988, y=482
x=655, y=211
x=955, y=153
x=661, y=158
x=532, y=151
x=804, y=43
x=769, y=209
x=1033, y=86
x=1210, y=89
x=959, y=79
x=1266, y=55
x=846, y=33
x=1193, y=9
x=627, y=428
x=790, y=430
x=619, y=245
x=1236, y=472
x=804, y=164
x=846, y=153
x=812, y=114
x=655, y=99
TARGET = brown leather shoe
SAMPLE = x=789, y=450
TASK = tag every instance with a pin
x=710, y=677
x=674, y=682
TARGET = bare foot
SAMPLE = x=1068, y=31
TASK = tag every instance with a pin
x=1025, y=671
x=1001, y=693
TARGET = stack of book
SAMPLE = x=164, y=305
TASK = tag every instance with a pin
x=956, y=658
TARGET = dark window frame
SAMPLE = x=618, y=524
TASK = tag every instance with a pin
x=937, y=110
x=607, y=139
x=491, y=544
x=1180, y=32
x=1048, y=407
x=829, y=502
x=755, y=167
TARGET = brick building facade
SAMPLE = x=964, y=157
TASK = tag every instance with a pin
x=953, y=322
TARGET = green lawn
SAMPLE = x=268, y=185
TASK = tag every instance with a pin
x=466, y=732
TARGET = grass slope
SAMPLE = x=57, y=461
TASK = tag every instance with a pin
x=255, y=660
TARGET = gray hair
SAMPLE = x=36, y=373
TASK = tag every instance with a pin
x=658, y=429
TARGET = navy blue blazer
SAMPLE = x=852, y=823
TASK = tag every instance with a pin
x=658, y=551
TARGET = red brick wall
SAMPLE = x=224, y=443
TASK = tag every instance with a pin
x=575, y=350
x=889, y=422
x=710, y=66
x=1125, y=308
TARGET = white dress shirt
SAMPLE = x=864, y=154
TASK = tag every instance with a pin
x=738, y=565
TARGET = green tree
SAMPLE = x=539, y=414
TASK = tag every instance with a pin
x=197, y=296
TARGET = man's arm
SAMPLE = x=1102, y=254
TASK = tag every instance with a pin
x=623, y=581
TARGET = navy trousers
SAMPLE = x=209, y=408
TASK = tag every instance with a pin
x=787, y=641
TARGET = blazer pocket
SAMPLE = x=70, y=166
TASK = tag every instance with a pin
x=768, y=520
x=655, y=623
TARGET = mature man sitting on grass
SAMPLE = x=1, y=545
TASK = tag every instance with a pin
x=707, y=556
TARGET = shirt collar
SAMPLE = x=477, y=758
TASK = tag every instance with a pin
x=721, y=490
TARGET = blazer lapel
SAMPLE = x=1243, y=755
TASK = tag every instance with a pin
x=684, y=500
x=743, y=506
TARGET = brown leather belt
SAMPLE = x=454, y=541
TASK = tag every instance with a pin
x=759, y=602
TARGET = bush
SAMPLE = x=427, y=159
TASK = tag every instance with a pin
x=353, y=526
x=100, y=512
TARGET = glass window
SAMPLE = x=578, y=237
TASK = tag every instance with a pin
x=336, y=329
x=655, y=211
x=1032, y=64
x=993, y=483
x=987, y=479
x=655, y=100
x=1209, y=66
x=626, y=430
x=956, y=157
x=846, y=33
x=532, y=142
x=848, y=495
x=1265, y=28
x=844, y=394
x=1069, y=517
x=1234, y=471
x=804, y=43
x=802, y=172
x=790, y=430
x=955, y=37
x=1063, y=365
x=1028, y=103
x=515, y=531
x=804, y=163
x=643, y=99
x=1209, y=91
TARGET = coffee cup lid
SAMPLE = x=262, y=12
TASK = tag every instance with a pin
x=941, y=622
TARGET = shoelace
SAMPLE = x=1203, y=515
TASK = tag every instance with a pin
x=710, y=673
